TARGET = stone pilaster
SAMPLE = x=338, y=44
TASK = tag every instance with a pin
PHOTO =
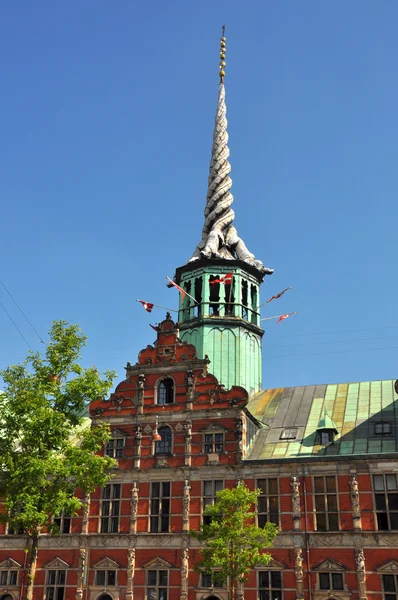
x=130, y=574
x=356, y=508
x=80, y=573
x=188, y=442
x=299, y=573
x=184, y=569
x=140, y=394
x=295, y=485
x=138, y=442
x=186, y=501
x=134, y=506
x=190, y=389
x=86, y=513
x=361, y=574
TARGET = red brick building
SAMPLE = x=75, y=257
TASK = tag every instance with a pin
x=324, y=456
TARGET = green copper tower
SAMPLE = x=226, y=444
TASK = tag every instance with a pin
x=220, y=311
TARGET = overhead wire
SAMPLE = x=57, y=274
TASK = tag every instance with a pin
x=22, y=312
x=16, y=326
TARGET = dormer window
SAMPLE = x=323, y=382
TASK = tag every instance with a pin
x=288, y=434
x=326, y=430
x=165, y=391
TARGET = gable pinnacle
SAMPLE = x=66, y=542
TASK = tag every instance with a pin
x=219, y=237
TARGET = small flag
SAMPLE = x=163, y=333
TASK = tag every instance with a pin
x=178, y=288
x=147, y=305
x=279, y=295
x=154, y=327
x=282, y=317
x=227, y=279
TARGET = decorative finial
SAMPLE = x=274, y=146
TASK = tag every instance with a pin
x=223, y=51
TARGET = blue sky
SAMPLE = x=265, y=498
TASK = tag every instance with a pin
x=106, y=116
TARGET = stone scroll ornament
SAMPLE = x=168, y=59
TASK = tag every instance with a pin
x=219, y=237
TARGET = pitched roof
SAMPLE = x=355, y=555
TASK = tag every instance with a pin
x=353, y=407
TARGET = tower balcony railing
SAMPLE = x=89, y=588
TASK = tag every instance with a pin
x=219, y=309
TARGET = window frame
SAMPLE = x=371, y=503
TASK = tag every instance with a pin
x=63, y=518
x=327, y=511
x=117, y=450
x=269, y=589
x=169, y=396
x=210, y=499
x=384, y=425
x=55, y=586
x=110, y=517
x=159, y=515
x=217, y=446
x=8, y=572
x=156, y=450
x=389, y=594
x=267, y=496
x=213, y=583
x=106, y=572
x=157, y=586
x=385, y=492
x=330, y=575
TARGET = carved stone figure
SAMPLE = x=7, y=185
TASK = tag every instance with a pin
x=360, y=564
x=138, y=433
x=239, y=428
x=295, y=485
x=86, y=512
x=184, y=564
x=188, y=431
x=356, y=509
x=186, y=498
x=131, y=563
x=134, y=506
x=298, y=564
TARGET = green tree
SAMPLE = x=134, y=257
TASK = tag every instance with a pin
x=47, y=446
x=231, y=543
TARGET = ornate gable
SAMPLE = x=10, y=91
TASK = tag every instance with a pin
x=330, y=565
x=390, y=567
x=9, y=563
x=57, y=563
x=118, y=433
x=213, y=427
x=107, y=563
x=157, y=563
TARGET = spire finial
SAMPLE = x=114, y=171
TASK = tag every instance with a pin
x=223, y=51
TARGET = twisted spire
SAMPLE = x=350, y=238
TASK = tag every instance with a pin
x=219, y=237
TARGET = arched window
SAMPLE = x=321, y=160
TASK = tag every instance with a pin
x=165, y=444
x=166, y=391
x=105, y=597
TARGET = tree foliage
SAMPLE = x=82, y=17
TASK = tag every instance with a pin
x=47, y=447
x=232, y=544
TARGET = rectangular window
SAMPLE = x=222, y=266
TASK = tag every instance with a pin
x=385, y=489
x=214, y=442
x=115, y=447
x=390, y=587
x=110, y=508
x=268, y=502
x=160, y=507
x=55, y=585
x=331, y=581
x=157, y=585
x=212, y=581
x=288, y=434
x=270, y=585
x=105, y=578
x=63, y=522
x=325, y=500
x=210, y=489
x=382, y=428
x=8, y=578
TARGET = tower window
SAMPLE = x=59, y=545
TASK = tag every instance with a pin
x=166, y=443
x=166, y=391
x=198, y=296
x=214, y=296
x=245, y=312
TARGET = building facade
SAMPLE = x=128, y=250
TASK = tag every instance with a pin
x=190, y=418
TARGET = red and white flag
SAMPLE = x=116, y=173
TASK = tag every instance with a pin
x=227, y=279
x=278, y=295
x=182, y=292
x=147, y=305
x=282, y=317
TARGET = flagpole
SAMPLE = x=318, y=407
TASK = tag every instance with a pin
x=185, y=292
x=158, y=306
x=278, y=316
x=273, y=298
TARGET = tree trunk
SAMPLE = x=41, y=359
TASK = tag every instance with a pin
x=31, y=568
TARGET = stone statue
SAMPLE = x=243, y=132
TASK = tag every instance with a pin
x=298, y=564
x=184, y=564
x=356, y=509
x=360, y=563
x=186, y=500
x=188, y=431
x=295, y=485
x=131, y=563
